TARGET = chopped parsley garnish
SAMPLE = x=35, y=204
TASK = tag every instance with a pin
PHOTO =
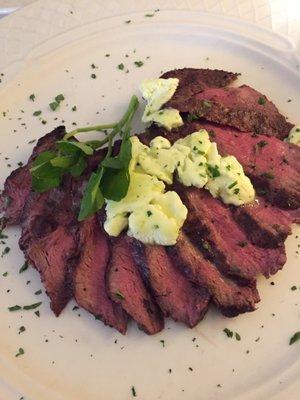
x=139, y=63
x=294, y=288
x=20, y=352
x=232, y=334
x=163, y=343
x=232, y=185
x=128, y=21
x=149, y=213
x=133, y=391
x=74, y=108
x=32, y=306
x=156, y=226
x=38, y=292
x=59, y=98
x=294, y=338
x=121, y=66
x=192, y=117
x=261, y=101
x=93, y=66
x=119, y=295
x=236, y=191
x=228, y=332
x=261, y=144
x=55, y=104
x=213, y=170
x=93, y=76
x=24, y=267
x=242, y=244
x=267, y=175
x=5, y=251
x=207, y=103
x=37, y=313
x=149, y=15
x=22, y=329
x=5, y=274
x=14, y=308
x=32, y=97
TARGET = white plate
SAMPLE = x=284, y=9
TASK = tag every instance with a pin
x=78, y=358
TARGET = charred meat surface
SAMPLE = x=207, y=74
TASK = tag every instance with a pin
x=265, y=160
x=265, y=225
x=193, y=81
x=211, y=226
x=53, y=256
x=48, y=240
x=177, y=297
x=241, y=107
x=231, y=298
x=89, y=277
x=17, y=186
x=127, y=288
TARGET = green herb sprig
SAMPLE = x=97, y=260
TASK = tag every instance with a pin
x=111, y=179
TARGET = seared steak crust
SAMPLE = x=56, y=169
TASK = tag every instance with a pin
x=17, y=186
x=127, y=288
x=231, y=298
x=177, y=297
x=265, y=225
x=210, y=225
x=243, y=108
x=195, y=80
x=90, y=276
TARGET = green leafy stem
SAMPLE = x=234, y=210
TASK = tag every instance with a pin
x=110, y=180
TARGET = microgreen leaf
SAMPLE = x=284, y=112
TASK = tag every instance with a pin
x=114, y=183
x=77, y=169
x=92, y=199
x=73, y=147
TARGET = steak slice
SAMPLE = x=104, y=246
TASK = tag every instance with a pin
x=210, y=225
x=127, y=288
x=176, y=296
x=18, y=184
x=90, y=276
x=195, y=80
x=265, y=225
x=241, y=107
x=48, y=241
x=265, y=160
x=53, y=256
x=231, y=298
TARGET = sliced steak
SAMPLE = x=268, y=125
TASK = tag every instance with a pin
x=127, y=288
x=18, y=185
x=265, y=225
x=90, y=276
x=267, y=161
x=48, y=240
x=195, y=80
x=229, y=297
x=243, y=108
x=177, y=297
x=53, y=256
x=211, y=226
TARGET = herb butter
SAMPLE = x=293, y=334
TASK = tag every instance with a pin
x=294, y=135
x=152, y=215
x=157, y=92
